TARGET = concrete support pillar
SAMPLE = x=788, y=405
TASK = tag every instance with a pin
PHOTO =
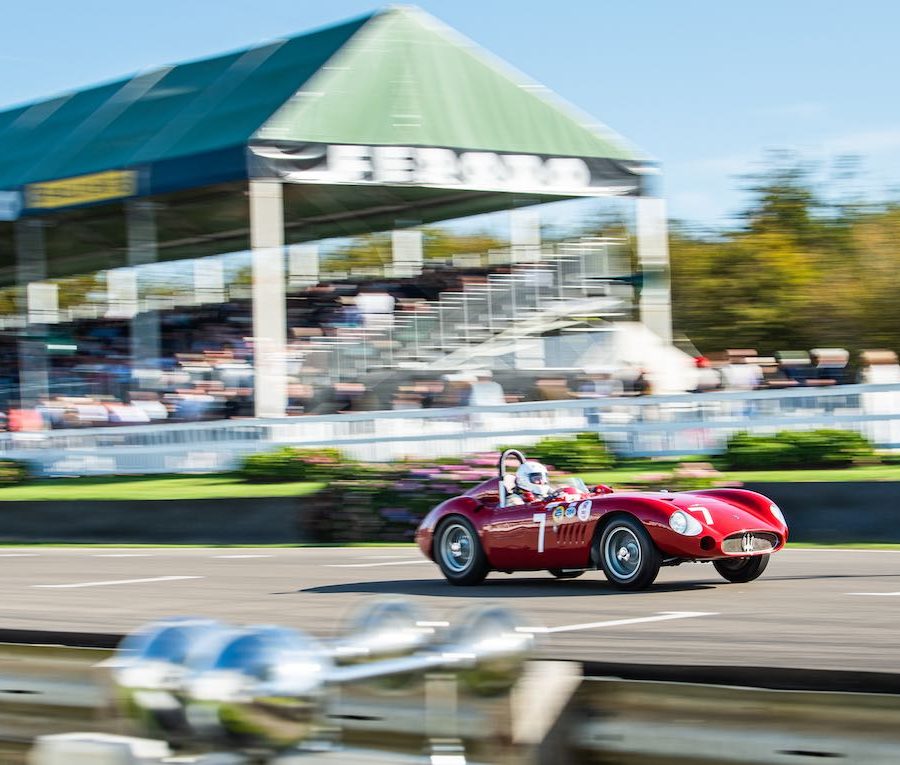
x=525, y=234
x=42, y=299
x=121, y=293
x=31, y=267
x=268, y=295
x=653, y=261
x=407, y=253
x=303, y=265
x=209, y=280
x=142, y=250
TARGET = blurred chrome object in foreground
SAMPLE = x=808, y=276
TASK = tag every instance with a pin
x=266, y=691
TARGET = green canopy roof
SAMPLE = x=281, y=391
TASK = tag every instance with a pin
x=394, y=78
x=408, y=79
x=173, y=113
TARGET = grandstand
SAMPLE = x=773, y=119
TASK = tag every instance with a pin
x=164, y=238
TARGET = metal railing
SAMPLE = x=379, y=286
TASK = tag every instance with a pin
x=635, y=426
x=49, y=690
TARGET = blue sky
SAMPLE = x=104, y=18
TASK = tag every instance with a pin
x=706, y=86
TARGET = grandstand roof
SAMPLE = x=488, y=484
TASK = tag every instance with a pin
x=396, y=77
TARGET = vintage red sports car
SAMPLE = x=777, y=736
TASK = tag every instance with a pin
x=628, y=535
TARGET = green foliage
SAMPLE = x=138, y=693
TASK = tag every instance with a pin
x=586, y=451
x=370, y=251
x=798, y=270
x=798, y=449
x=14, y=472
x=292, y=464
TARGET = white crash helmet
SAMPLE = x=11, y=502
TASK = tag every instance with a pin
x=532, y=476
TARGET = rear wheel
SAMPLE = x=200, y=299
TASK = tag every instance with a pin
x=459, y=554
x=739, y=570
x=628, y=556
x=561, y=573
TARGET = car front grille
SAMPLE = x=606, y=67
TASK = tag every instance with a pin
x=749, y=542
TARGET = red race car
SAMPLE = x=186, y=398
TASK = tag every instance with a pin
x=499, y=526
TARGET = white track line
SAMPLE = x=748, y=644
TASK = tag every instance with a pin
x=883, y=594
x=373, y=565
x=116, y=581
x=18, y=555
x=121, y=555
x=663, y=616
x=243, y=556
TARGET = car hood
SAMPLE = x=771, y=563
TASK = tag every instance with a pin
x=715, y=513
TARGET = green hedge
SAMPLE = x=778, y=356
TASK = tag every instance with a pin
x=584, y=452
x=798, y=450
x=14, y=472
x=292, y=464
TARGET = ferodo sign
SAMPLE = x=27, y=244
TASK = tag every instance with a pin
x=441, y=167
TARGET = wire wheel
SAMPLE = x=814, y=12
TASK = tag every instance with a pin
x=458, y=552
x=741, y=570
x=628, y=556
x=623, y=553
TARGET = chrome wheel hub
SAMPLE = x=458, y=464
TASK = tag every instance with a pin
x=622, y=553
x=457, y=548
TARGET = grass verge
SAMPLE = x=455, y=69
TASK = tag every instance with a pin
x=119, y=488
x=228, y=486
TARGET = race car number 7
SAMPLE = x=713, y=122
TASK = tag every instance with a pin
x=541, y=520
x=704, y=512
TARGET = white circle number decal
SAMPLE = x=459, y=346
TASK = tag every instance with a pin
x=584, y=510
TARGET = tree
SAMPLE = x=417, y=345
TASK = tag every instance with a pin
x=798, y=271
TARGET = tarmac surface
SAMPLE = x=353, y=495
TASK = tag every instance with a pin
x=812, y=609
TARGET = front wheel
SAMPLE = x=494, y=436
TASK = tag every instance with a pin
x=628, y=556
x=740, y=570
x=564, y=573
x=459, y=554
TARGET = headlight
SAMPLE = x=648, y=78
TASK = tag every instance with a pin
x=776, y=511
x=682, y=523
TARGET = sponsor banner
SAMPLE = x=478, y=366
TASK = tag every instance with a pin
x=10, y=205
x=81, y=190
x=445, y=168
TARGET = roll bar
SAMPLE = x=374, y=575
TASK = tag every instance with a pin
x=501, y=470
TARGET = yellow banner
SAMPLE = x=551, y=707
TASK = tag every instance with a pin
x=83, y=189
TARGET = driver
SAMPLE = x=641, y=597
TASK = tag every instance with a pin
x=533, y=485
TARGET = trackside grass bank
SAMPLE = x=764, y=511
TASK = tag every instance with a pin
x=165, y=487
x=228, y=486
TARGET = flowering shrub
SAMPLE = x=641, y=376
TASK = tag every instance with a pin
x=389, y=504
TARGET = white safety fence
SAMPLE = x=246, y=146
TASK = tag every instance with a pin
x=634, y=426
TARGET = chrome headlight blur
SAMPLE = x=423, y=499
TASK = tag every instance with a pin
x=776, y=511
x=685, y=524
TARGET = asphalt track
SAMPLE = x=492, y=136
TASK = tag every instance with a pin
x=812, y=609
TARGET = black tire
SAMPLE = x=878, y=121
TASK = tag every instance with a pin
x=458, y=552
x=628, y=556
x=740, y=570
x=564, y=574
